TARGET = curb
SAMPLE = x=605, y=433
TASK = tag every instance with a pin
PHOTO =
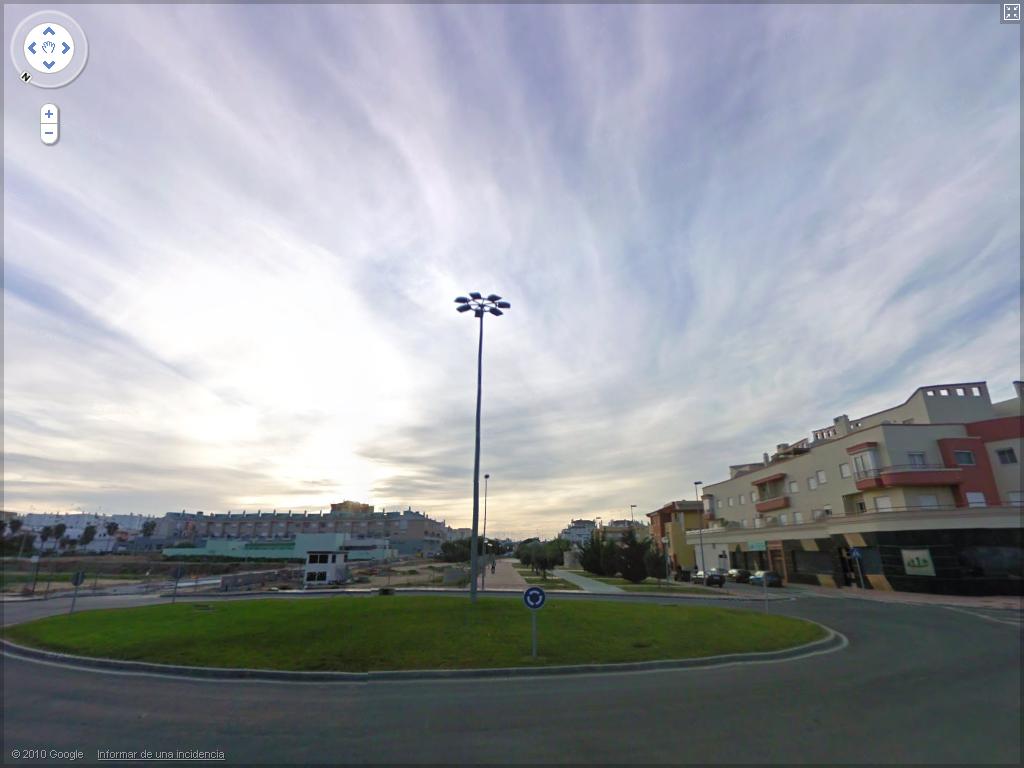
x=833, y=641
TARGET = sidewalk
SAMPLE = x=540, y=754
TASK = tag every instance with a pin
x=504, y=576
x=590, y=585
x=1002, y=602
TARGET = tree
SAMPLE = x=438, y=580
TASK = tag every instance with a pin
x=609, y=558
x=654, y=564
x=63, y=542
x=630, y=557
x=590, y=555
x=148, y=527
x=455, y=551
x=15, y=526
x=87, y=535
x=111, y=528
x=45, y=533
x=3, y=527
x=524, y=550
x=58, y=534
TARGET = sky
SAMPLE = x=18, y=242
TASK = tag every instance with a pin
x=230, y=285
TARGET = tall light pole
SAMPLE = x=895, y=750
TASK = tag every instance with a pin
x=700, y=536
x=631, y=508
x=483, y=571
x=480, y=307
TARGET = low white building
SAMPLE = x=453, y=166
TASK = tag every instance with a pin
x=324, y=568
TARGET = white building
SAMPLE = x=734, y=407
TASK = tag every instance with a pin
x=325, y=568
x=579, y=532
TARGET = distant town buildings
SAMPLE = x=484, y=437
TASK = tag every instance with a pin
x=409, y=532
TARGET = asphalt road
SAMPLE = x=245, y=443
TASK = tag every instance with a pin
x=917, y=684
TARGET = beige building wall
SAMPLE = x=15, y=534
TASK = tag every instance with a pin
x=1008, y=476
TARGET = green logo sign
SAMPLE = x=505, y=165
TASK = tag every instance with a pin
x=756, y=546
x=918, y=562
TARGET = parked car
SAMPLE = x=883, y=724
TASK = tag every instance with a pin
x=766, y=578
x=713, y=578
x=739, y=575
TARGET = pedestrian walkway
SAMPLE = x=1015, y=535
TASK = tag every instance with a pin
x=590, y=585
x=1002, y=602
x=504, y=576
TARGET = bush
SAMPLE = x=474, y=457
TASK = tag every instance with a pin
x=654, y=563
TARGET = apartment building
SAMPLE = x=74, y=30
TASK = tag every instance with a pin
x=925, y=496
x=616, y=529
x=579, y=532
x=680, y=522
x=410, y=532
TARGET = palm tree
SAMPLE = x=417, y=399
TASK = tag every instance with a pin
x=15, y=526
x=58, y=532
x=111, y=529
x=45, y=533
x=148, y=527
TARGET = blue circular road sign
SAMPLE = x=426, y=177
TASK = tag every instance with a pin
x=534, y=597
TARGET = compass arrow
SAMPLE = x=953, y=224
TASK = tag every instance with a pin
x=66, y=47
x=49, y=64
x=49, y=31
x=32, y=48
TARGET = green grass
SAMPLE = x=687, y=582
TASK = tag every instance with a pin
x=407, y=632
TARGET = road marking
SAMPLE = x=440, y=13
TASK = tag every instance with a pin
x=1012, y=623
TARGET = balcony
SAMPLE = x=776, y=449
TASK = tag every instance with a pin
x=901, y=475
x=772, y=504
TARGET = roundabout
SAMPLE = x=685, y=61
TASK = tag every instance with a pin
x=914, y=684
x=324, y=639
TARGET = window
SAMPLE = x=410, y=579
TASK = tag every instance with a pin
x=964, y=458
x=1006, y=456
x=730, y=501
x=743, y=499
x=844, y=470
x=883, y=503
x=798, y=517
x=976, y=499
x=783, y=519
x=944, y=392
x=930, y=393
x=916, y=458
x=794, y=486
x=822, y=479
x=862, y=507
x=928, y=501
x=753, y=497
x=812, y=483
x=311, y=576
x=960, y=391
x=976, y=391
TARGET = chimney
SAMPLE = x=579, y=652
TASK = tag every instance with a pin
x=766, y=460
x=1018, y=387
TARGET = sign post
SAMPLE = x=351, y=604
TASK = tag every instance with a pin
x=76, y=579
x=855, y=555
x=35, y=573
x=534, y=598
x=176, y=574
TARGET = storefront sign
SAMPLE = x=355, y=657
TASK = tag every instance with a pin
x=756, y=546
x=918, y=562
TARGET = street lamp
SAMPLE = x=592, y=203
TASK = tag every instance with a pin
x=483, y=572
x=664, y=543
x=700, y=536
x=631, y=508
x=480, y=307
